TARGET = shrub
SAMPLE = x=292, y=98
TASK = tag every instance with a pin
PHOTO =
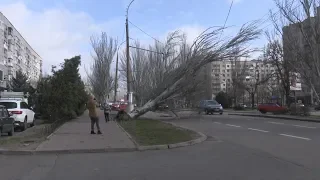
x=238, y=108
x=299, y=110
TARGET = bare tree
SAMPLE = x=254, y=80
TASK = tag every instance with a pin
x=298, y=23
x=273, y=55
x=207, y=47
x=99, y=77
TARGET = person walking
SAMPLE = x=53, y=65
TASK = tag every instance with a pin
x=106, y=110
x=91, y=105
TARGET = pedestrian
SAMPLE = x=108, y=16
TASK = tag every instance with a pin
x=106, y=110
x=91, y=105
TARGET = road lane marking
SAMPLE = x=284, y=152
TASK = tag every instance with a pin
x=258, y=130
x=233, y=125
x=288, y=135
x=305, y=126
x=274, y=122
x=217, y=122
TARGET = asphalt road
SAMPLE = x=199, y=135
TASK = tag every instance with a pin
x=247, y=148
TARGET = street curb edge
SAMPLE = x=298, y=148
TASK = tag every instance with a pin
x=71, y=151
x=130, y=137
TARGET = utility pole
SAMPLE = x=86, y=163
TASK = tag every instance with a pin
x=116, y=81
x=129, y=71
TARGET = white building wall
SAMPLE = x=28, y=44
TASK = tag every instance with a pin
x=16, y=54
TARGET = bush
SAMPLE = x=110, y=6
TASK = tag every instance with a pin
x=222, y=99
x=238, y=108
x=299, y=110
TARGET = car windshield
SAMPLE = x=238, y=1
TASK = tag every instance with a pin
x=9, y=105
x=212, y=102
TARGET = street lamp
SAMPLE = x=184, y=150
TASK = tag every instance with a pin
x=257, y=81
x=129, y=73
x=116, y=78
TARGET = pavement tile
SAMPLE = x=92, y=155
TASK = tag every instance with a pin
x=76, y=135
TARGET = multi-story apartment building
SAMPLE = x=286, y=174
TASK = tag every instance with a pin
x=297, y=41
x=16, y=54
x=223, y=73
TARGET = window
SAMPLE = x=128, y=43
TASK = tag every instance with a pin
x=228, y=70
x=24, y=105
x=2, y=112
x=5, y=112
x=9, y=105
x=10, y=30
x=1, y=75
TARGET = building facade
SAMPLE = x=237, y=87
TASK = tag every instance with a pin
x=247, y=73
x=224, y=71
x=16, y=54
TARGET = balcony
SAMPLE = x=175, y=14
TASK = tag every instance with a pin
x=9, y=64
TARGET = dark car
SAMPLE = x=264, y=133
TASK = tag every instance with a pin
x=6, y=122
x=210, y=107
x=162, y=107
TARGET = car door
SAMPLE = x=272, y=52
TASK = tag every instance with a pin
x=24, y=106
x=7, y=122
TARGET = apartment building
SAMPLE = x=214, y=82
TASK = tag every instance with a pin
x=16, y=54
x=223, y=73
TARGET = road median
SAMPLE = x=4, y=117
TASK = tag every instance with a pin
x=285, y=117
x=153, y=134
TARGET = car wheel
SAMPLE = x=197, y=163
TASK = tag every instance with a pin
x=12, y=131
x=221, y=113
x=263, y=112
x=32, y=124
x=207, y=112
x=25, y=124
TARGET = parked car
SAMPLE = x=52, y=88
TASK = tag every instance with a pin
x=210, y=107
x=21, y=112
x=123, y=106
x=272, y=107
x=115, y=106
x=6, y=122
x=162, y=106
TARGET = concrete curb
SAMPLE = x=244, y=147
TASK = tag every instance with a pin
x=130, y=137
x=71, y=151
x=279, y=117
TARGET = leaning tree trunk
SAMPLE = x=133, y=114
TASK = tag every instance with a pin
x=149, y=105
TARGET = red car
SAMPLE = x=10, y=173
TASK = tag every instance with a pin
x=115, y=107
x=271, y=107
x=123, y=106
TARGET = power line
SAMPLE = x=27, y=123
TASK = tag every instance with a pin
x=145, y=33
x=225, y=22
x=146, y=50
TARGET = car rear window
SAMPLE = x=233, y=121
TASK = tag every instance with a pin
x=9, y=105
x=212, y=102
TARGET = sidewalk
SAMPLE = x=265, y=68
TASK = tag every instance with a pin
x=76, y=135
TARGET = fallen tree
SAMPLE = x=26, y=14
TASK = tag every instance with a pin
x=182, y=67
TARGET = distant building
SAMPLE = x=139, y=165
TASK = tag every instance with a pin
x=224, y=71
x=296, y=47
x=16, y=54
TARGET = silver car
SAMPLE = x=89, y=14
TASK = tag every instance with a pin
x=210, y=107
